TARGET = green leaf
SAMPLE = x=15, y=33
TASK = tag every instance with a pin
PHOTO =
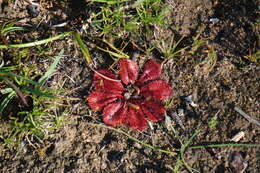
x=49, y=72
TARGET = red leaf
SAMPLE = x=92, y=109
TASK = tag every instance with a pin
x=158, y=89
x=152, y=70
x=101, y=83
x=97, y=100
x=153, y=110
x=128, y=71
x=114, y=113
x=136, y=119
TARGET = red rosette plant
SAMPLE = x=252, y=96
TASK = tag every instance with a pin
x=133, y=99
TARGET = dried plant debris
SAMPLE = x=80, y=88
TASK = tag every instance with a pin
x=238, y=136
x=237, y=163
x=177, y=117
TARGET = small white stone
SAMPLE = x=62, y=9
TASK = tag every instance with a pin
x=214, y=20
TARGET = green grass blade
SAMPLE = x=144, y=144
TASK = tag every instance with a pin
x=1, y=64
x=9, y=27
x=49, y=72
x=6, y=69
x=138, y=3
x=36, y=43
x=18, y=76
x=113, y=53
x=5, y=102
x=224, y=145
x=83, y=48
x=37, y=92
x=183, y=149
x=6, y=90
x=12, y=29
x=36, y=84
x=109, y=2
x=119, y=54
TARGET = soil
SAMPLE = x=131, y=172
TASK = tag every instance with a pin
x=217, y=85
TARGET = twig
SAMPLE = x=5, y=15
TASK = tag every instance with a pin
x=251, y=120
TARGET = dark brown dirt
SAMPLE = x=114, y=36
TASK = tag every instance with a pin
x=217, y=85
